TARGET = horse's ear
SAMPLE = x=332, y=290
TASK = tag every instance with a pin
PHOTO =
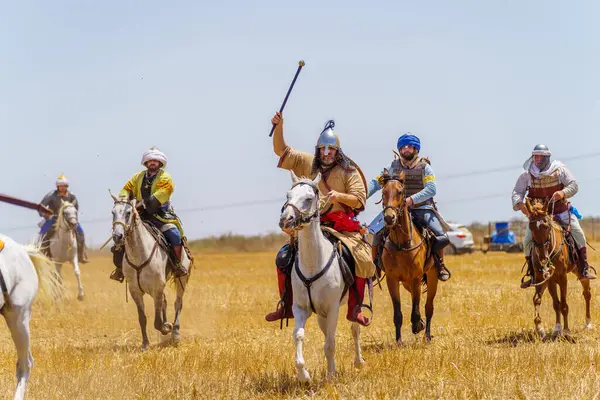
x=294, y=177
x=546, y=205
x=317, y=179
x=113, y=196
x=401, y=175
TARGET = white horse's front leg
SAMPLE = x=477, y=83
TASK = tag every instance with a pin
x=359, y=361
x=78, y=276
x=328, y=325
x=18, y=322
x=300, y=317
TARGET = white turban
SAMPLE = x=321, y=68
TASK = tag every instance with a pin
x=154, y=154
x=62, y=180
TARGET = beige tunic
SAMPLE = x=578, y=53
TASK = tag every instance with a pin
x=343, y=181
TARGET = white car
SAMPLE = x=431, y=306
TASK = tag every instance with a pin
x=461, y=240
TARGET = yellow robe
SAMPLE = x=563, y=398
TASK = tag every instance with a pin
x=340, y=180
x=162, y=189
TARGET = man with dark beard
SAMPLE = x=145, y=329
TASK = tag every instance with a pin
x=343, y=191
x=152, y=189
x=543, y=179
x=420, y=189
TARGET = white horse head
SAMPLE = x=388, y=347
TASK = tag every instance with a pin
x=123, y=212
x=68, y=215
x=302, y=204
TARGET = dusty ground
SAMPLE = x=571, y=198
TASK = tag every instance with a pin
x=482, y=347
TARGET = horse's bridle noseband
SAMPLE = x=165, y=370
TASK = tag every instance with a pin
x=304, y=217
x=126, y=226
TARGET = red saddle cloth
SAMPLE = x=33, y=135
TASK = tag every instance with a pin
x=342, y=221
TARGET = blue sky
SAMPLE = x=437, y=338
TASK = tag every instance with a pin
x=87, y=87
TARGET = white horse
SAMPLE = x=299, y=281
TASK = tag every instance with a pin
x=145, y=269
x=316, y=262
x=22, y=268
x=63, y=245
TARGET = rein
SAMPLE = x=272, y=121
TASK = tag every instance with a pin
x=305, y=217
x=555, y=251
x=399, y=211
x=128, y=230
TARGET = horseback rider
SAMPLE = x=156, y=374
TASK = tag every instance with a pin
x=152, y=189
x=543, y=179
x=420, y=189
x=53, y=201
x=343, y=194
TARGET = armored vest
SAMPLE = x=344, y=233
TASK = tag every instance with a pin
x=544, y=187
x=413, y=178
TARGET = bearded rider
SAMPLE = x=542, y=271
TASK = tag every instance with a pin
x=544, y=179
x=152, y=189
x=343, y=189
x=420, y=188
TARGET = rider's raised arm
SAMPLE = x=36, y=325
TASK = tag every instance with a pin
x=567, y=178
x=429, y=187
x=520, y=190
x=279, y=144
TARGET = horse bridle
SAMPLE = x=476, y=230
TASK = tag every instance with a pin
x=66, y=222
x=126, y=226
x=548, y=261
x=398, y=211
x=304, y=217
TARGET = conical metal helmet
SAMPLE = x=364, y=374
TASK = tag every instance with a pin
x=328, y=139
x=541, y=150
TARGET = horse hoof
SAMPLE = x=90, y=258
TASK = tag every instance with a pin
x=175, y=337
x=568, y=337
x=80, y=297
x=418, y=327
x=359, y=364
x=304, y=376
x=144, y=347
x=588, y=327
x=166, y=328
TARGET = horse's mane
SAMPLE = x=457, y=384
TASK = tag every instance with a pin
x=307, y=181
x=61, y=212
x=538, y=210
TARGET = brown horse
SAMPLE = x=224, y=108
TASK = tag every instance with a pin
x=405, y=258
x=550, y=257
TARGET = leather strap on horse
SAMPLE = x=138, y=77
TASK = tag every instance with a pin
x=138, y=268
x=309, y=281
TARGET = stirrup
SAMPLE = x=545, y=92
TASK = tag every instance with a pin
x=525, y=284
x=114, y=275
x=587, y=271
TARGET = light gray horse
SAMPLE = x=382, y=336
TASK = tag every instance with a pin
x=22, y=270
x=315, y=256
x=63, y=245
x=145, y=268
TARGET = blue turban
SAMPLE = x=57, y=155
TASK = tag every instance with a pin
x=408, y=139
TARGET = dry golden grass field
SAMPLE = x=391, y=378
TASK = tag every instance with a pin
x=483, y=345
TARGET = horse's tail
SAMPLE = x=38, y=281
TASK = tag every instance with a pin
x=50, y=287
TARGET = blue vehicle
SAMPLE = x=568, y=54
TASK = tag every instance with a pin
x=502, y=239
